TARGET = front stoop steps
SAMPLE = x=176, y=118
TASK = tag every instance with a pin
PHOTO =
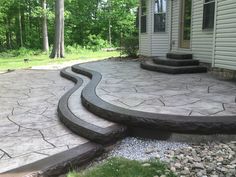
x=174, y=63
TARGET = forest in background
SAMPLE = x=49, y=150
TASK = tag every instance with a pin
x=89, y=24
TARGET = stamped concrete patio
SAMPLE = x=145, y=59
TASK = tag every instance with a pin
x=29, y=126
x=126, y=85
x=116, y=96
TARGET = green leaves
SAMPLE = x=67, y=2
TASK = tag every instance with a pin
x=83, y=19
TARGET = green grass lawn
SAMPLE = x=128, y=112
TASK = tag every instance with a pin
x=119, y=167
x=17, y=62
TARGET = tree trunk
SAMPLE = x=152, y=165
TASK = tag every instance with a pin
x=8, y=35
x=110, y=42
x=45, y=27
x=109, y=23
x=20, y=27
x=58, y=47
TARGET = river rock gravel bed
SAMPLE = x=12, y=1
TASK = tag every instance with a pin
x=213, y=159
x=204, y=160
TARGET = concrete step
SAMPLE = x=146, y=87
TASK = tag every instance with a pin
x=150, y=65
x=174, y=62
x=80, y=120
x=180, y=56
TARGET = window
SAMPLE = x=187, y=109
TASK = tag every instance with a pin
x=143, y=16
x=160, y=16
x=208, y=14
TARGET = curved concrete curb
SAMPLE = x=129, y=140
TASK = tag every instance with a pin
x=163, y=122
x=59, y=163
x=81, y=127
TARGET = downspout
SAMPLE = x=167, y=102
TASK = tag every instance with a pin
x=170, y=26
x=214, y=35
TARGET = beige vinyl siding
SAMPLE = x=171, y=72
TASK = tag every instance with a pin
x=175, y=24
x=160, y=40
x=225, y=37
x=145, y=38
x=202, y=41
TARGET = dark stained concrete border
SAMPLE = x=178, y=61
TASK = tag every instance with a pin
x=179, y=56
x=88, y=130
x=173, y=62
x=151, y=66
x=60, y=163
x=162, y=122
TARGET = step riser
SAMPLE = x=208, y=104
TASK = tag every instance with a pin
x=176, y=63
x=179, y=56
x=173, y=71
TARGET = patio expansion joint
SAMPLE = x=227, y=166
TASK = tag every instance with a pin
x=44, y=139
x=5, y=154
x=20, y=127
x=223, y=109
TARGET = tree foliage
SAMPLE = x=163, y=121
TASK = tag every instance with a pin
x=88, y=23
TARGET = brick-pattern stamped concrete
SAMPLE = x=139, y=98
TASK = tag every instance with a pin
x=29, y=126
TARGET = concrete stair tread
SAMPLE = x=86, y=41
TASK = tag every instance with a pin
x=175, y=62
x=150, y=65
x=80, y=120
x=178, y=55
x=79, y=110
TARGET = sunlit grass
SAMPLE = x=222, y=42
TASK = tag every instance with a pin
x=8, y=62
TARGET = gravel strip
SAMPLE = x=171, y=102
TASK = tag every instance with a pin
x=143, y=149
x=213, y=159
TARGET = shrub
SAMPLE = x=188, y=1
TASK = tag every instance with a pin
x=130, y=46
x=95, y=43
x=74, y=49
x=21, y=52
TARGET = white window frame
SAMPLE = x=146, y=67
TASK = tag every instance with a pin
x=160, y=13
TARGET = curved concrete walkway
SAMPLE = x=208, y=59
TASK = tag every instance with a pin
x=29, y=126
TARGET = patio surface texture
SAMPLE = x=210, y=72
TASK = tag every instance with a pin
x=30, y=129
x=126, y=85
x=29, y=126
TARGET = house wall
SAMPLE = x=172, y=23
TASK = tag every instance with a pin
x=145, y=38
x=225, y=36
x=175, y=25
x=202, y=41
x=217, y=47
x=160, y=40
x=150, y=43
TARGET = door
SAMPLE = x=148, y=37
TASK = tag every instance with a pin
x=185, y=25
